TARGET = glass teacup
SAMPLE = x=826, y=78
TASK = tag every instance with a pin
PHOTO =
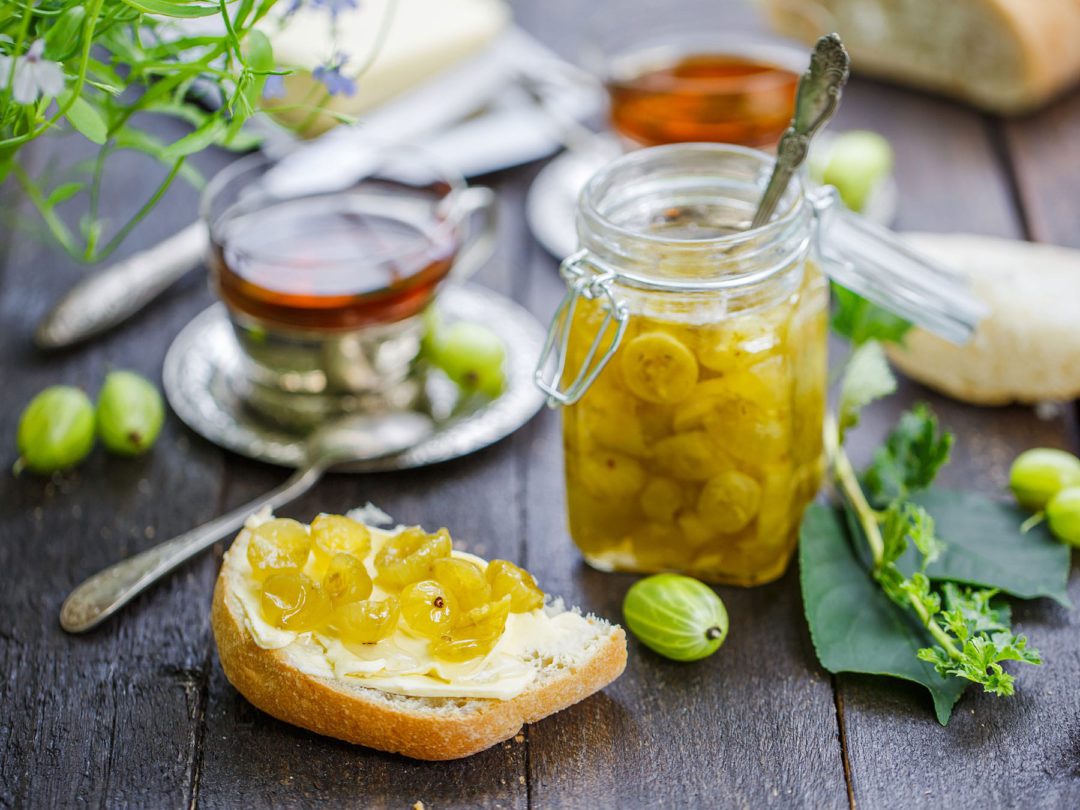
x=326, y=287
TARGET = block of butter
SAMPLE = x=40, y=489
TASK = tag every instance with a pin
x=393, y=45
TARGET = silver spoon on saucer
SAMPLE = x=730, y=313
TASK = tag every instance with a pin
x=355, y=438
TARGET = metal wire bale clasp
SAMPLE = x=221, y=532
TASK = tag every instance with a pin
x=584, y=279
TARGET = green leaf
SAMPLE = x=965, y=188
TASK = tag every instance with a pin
x=910, y=458
x=64, y=192
x=195, y=141
x=174, y=8
x=983, y=546
x=86, y=119
x=139, y=141
x=866, y=378
x=858, y=320
x=854, y=626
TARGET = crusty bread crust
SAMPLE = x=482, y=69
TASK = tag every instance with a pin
x=1028, y=349
x=1007, y=56
x=401, y=725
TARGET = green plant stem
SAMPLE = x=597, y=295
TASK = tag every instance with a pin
x=139, y=215
x=868, y=519
x=57, y=227
x=940, y=636
x=849, y=485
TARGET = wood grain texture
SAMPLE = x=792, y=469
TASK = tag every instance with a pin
x=1045, y=155
x=111, y=717
x=996, y=752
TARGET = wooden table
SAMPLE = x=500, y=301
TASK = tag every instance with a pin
x=139, y=713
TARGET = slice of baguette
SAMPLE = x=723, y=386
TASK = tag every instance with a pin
x=422, y=728
x=1006, y=56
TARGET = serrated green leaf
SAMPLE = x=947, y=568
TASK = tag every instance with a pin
x=859, y=320
x=853, y=625
x=867, y=377
x=86, y=119
x=910, y=458
x=984, y=547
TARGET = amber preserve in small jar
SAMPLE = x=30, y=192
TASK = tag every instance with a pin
x=692, y=363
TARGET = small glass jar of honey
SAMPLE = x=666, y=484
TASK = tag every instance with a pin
x=326, y=286
x=690, y=356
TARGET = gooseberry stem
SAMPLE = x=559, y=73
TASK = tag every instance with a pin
x=1032, y=522
x=713, y=633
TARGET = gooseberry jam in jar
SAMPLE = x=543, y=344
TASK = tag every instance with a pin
x=689, y=354
x=693, y=435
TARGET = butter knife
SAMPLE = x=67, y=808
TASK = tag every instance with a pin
x=104, y=299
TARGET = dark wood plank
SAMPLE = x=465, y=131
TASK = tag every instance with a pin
x=1045, y=154
x=250, y=758
x=997, y=752
x=112, y=716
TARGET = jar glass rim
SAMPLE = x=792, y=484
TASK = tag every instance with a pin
x=793, y=217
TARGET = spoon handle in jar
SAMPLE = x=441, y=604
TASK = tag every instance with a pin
x=816, y=101
x=110, y=296
x=107, y=591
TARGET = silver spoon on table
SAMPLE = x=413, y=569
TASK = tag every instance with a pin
x=357, y=438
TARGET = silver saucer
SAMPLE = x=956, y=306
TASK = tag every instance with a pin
x=204, y=359
x=551, y=205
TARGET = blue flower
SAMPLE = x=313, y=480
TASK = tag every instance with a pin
x=274, y=87
x=331, y=76
x=335, y=7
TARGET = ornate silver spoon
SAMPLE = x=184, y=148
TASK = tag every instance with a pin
x=816, y=101
x=351, y=439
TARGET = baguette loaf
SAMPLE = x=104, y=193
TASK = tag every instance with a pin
x=1028, y=349
x=430, y=728
x=1006, y=56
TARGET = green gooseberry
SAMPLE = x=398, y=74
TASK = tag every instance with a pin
x=855, y=163
x=56, y=430
x=677, y=616
x=1038, y=475
x=1063, y=515
x=130, y=413
x=472, y=356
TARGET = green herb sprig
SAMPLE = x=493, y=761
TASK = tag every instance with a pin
x=970, y=630
x=93, y=67
x=97, y=68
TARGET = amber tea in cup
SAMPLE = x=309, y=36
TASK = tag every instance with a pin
x=659, y=98
x=326, y=282
x=682, y=71
x=336, y=262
